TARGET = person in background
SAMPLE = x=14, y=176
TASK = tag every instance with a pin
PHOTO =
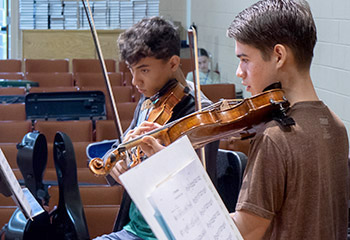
x=206, y=76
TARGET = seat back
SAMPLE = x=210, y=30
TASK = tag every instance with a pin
x=78, y=131
x=84, y=79
x=46, y=65
x=11, y=75
x=94, y=214
x=215, y=92
x=127, y=78
x=93, y=195
x=122, y=67
x=52, y=89
x=14, y=131
x=123, y=93
x=92, y=65
x=12, y=91
x=10, y=152
x=106, y=129
x=13, y=111
x=230, y=169
x=10, y=65
x=51, y=79
x=126, y=74
x=187, y=65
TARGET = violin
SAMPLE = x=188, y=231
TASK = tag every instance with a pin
x=165, y=101
x=163, y=104
x=217, y=121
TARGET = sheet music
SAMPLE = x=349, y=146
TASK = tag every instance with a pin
x=36, y=208
x=18, y=195
x=194, y=212
x=177, y=198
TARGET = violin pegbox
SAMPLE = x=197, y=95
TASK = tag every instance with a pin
x=135, y=156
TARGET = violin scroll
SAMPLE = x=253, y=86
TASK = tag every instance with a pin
x=102, y=167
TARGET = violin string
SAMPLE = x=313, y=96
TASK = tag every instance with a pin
x=208, y=108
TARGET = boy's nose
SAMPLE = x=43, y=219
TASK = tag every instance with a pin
x=239, y=72
x=135, y=79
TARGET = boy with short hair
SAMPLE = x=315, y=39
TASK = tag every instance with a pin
x=296, y=182
x=151, y=49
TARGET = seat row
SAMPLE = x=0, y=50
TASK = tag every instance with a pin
x=87, y=82
x=78, y=65
x=55, y=72
x=55, y=65
x=50, y=81
x=79, y=130
x=13, y=69
x=12, y=99
x=99, y=202
x=66, y=79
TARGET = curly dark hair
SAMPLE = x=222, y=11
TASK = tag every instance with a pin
x=151, y=37
x=271, y=22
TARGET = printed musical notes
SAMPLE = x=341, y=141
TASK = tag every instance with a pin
x=187, y=203
x=177, y=198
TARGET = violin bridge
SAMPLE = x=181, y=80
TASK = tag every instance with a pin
x=224, y=105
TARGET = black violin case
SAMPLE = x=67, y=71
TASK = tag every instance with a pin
x=31, y=160
x=67, y=221
x=57, y=106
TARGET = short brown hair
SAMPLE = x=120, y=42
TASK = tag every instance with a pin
x=271, y=22
x=151, y=37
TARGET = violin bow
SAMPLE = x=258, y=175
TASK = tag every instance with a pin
x=104, y=69
x=192, y=36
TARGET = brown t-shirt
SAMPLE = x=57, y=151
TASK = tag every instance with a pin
x=299, y=178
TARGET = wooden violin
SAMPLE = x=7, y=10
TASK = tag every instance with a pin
x=217, y=121
x=163, y=104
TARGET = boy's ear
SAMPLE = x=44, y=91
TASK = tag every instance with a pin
x=280, y=54
x=174, y=62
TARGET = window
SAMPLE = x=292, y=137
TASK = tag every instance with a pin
x=3, y=29
x=70, y=14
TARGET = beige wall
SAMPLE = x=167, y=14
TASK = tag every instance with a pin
x=70, y=44
x=174, y=11
x=212, y=33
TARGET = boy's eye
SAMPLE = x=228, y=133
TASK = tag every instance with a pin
x=145, y=70
x=244, y=60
